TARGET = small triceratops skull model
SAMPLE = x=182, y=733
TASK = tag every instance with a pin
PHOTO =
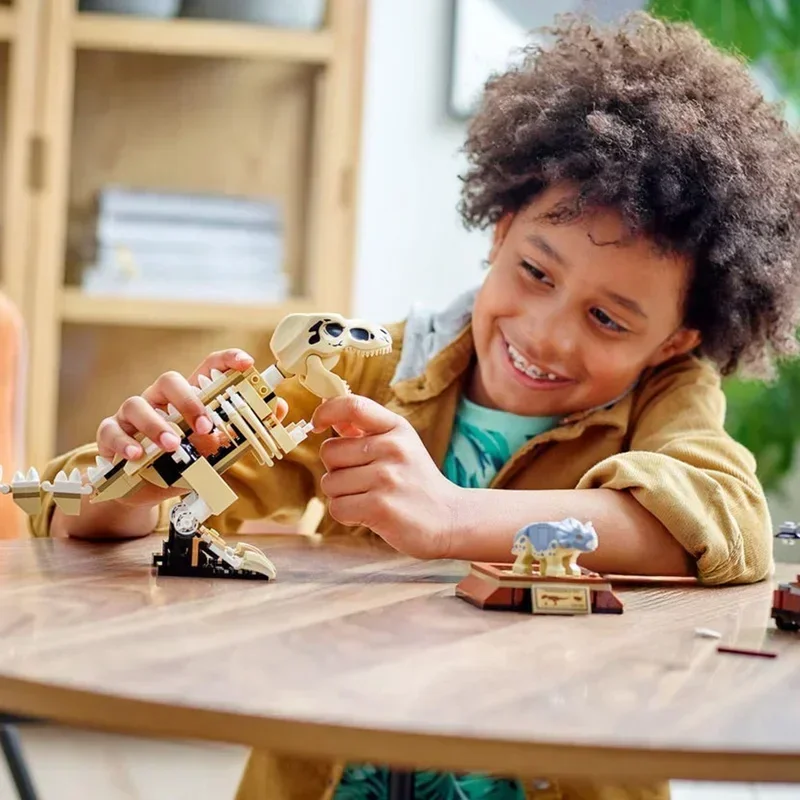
x=310, y=345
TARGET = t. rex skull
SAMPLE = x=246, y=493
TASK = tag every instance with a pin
x=318, y=340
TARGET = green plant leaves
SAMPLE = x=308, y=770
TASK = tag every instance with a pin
x=762, y=416
x=765, y=32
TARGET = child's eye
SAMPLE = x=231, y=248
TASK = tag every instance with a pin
x=607, y=322
x=536, y=273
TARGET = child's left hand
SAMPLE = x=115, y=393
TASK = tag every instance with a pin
x=380, y=475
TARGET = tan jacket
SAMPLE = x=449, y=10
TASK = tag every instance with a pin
x=664, y=442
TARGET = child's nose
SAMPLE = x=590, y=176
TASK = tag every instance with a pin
x=557, y=337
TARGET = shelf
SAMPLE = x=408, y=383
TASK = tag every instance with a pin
x=211, y=38
x=8, y=24
x=125, y=311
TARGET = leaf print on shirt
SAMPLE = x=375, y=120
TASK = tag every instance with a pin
x=491, y=449
x=365, y=782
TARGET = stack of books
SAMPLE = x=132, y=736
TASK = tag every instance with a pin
x=190, y=247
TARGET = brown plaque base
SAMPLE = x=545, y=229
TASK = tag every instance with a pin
x=496, y=587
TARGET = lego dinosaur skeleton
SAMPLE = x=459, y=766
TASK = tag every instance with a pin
x=242, y=406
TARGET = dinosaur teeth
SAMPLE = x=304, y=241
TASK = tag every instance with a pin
x=204, y=381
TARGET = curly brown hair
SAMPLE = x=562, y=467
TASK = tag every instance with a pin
x=649, y=118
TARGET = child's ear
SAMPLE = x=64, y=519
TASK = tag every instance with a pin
x=500, y=232
x=682, y=341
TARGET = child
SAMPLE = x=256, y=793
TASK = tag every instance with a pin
x=644, y=202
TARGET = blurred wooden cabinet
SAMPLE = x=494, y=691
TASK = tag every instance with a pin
x=94, y=100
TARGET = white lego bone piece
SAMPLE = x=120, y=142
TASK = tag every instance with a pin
x=254, y=422
x=247, y=432
x=272, y=376
x=220, y=424
x=101, y=468
x=300, y=433
x=196, y=506
x=180, y=456
x=204, y=381
x=216, y=375
x=29, y=481
x=67, y=485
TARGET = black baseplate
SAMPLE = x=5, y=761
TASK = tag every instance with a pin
x=175, y=559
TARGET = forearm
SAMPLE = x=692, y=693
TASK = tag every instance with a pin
x=631, y=540
x=110, y=520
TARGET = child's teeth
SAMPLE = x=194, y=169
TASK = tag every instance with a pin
x=523, y=366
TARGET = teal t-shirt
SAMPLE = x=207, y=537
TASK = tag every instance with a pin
x=482, y=441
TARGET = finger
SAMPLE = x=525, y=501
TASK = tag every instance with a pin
x=137, y=414
x=349, y=430
x=115, y=435
x=281, y=409
x=113, y=440
x=349, y=510
x=343, y=453
x=345, y=482
x=222, y=360
x=173, y=389
x=365, y=414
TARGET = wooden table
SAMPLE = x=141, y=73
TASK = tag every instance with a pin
x=357, y=652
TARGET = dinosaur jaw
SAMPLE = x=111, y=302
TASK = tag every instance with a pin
x=379, y=351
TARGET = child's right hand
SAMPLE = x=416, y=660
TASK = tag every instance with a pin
x=137, y=414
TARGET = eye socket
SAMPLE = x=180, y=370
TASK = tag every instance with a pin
x=361, y=334
x=334, y=329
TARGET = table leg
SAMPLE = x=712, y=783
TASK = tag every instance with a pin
x=401, y=785
x=9, y=740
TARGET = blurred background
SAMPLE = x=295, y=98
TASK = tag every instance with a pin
x=179, y=174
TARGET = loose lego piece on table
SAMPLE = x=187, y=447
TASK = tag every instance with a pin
x=707, y=633
x=788, y=531
x=786, y=606
x=242, y=406
x=744, y=651
x=786, y=598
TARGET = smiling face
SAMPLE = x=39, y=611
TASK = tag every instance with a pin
x=571, y=313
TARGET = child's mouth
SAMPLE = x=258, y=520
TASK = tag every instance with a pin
x=531, y=371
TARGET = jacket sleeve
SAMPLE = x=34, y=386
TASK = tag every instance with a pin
x=687, y=471
x=81, y=457
x=280, y=492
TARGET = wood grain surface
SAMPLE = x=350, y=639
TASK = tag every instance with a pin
x=357, y=652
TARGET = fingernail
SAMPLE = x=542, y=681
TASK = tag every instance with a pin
x=131, y=451
x=203, y=425
x=169, y=440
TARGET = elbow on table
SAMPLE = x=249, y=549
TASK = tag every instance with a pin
x=737, y=557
